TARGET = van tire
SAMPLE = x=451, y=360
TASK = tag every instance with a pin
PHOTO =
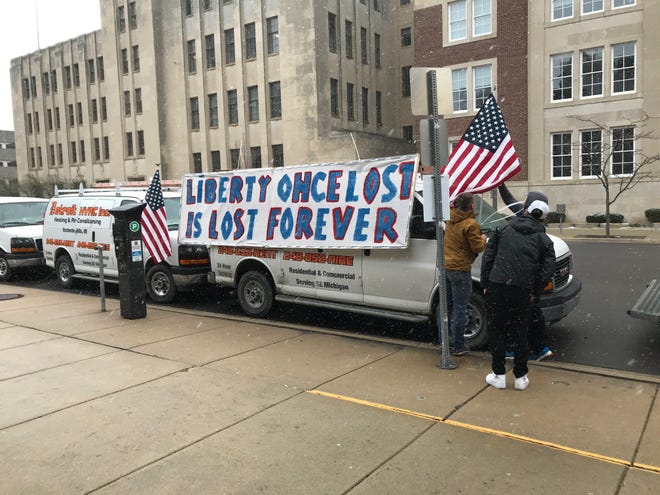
x=476, y=326
x=160, y=284
x=64, y=271
x=5, y=270
x=255, y=294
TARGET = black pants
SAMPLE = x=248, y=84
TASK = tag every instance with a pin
x=536, y=335
x=508, y=318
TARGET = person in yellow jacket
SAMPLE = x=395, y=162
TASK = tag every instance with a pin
x=463, y=242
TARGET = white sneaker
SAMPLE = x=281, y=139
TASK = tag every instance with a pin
x=521, y=383
x=497, y=381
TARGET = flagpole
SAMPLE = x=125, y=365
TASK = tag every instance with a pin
x=439, y=147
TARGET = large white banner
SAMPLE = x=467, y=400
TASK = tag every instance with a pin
x=361, y=204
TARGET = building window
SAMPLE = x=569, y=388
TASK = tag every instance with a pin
x=53, y=80
x=210, y=51
x=482, y=23
x=348, y=33
x=60, y=154
x=365, y=106
x=57, y=118
x=45, y=82
x=622, y=3
x=562, y=76
x=623, y=67
x=278, y=155
x=255, y=155
x=188, y=7
x=67, y=77
x=334, y=97
x=623, y=150
x=350, y=105
x=215, y=161
x=379, y=108
x=332, y=32
x=235, y=156
x=29, y=124
x=194, y=113
x=407, y=133
x=483, y=85
x=250, y=41
x=273, y=35
x=97, y=149
x=405, y=2
x=561, y=155
x=253, y=102
x=121, y=19
x=80, y=113
x=31, y=158
x=207, y=5
x=459, y=90
x=91, y=71
x=132, y=15
x=363, y=45
x=138, y=100
x=129, y=144
x=457, y=20
x=562, y=9
x=95, y=111
x=213, y=110
x=51, y=155
x=140, y=143
x=232, y=105
x=197, y=163
x=406, y=37
x=81, y=146
x=192, y=57
x=26, y=89
x=127, y=103
x=76, y=75
x=136, y=58
x=74, y=152
x=49, y=119
x=592, y=72
x=405, y=81
x=591, y=6
x=106, y=148
x=33, y=84
x=124, y=61
x=590, y=153
x=100, y=68
x=36, y=121
x=377, y=5
x=39, y=157
x=377, y=50
x=275, y=100
x=230, y=47
x=72, y=117
x=104, y=109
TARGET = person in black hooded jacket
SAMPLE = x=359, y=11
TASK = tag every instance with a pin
x=536, y=330
x=518, y=263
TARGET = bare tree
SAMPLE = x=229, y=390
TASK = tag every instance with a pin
x=616, y=157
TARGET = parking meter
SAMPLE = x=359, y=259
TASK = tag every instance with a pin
x=127, y=235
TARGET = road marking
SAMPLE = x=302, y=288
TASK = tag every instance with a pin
x=491, y=431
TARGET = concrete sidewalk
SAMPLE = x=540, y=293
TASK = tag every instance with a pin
x=189, y=402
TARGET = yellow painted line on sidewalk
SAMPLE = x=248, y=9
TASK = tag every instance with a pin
x=491, y=431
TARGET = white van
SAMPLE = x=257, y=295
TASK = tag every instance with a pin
x=21, y=221
x=75, y=223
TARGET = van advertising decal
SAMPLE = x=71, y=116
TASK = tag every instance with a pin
x=361, y=204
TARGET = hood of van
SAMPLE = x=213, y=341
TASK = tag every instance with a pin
x=561, y=248
x=33, y=231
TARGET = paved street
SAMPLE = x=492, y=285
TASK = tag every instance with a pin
x=184, y=401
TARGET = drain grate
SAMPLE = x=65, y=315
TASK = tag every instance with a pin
x=6, y=297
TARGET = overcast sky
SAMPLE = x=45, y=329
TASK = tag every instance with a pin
x=58, y=20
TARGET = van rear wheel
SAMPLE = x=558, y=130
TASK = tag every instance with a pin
x=256, y=294
x=5, y=269
x=476, y=326
x=160, y=284
x=65, y=271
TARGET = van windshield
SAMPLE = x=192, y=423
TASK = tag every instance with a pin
x=173, y=209
x=28, y=213
x=488, y=217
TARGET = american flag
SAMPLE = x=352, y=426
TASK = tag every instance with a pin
x=154, y=222
x=484, y=157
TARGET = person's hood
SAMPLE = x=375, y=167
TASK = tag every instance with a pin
x=534, y=196
x=457, y=216
x=527, y=225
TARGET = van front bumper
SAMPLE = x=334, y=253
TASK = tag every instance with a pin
x=25, y=260
x=189, y=276
x=558, y=305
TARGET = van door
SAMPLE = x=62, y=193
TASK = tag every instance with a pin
x=339, y=275
x=103, y=234
x=403, y=279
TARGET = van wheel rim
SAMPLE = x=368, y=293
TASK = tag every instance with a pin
x=64, y=272
x=4, y=267
x=254, y=294
x=160, y=284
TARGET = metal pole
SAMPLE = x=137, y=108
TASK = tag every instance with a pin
x=99, y=248
x=439, y=146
